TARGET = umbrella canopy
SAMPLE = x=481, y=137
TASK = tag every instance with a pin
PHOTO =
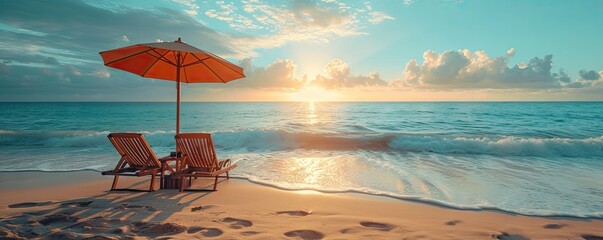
x=174, y=61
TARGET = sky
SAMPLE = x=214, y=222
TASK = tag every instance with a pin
x=304, y=50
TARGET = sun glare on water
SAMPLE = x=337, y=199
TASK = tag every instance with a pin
x=313, y=94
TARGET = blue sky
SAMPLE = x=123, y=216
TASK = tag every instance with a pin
x=331, y=50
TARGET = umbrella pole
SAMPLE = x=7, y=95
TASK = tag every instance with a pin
x=177, y=107
x=178, y=101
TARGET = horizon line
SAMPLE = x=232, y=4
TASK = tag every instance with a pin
x=285, y=101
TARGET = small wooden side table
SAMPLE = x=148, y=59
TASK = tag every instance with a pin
x=165, y=166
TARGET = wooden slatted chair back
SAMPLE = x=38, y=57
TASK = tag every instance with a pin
x=198, y=149
x=134, y=149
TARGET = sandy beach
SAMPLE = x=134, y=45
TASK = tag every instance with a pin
x=324, y=119
x=77, y=205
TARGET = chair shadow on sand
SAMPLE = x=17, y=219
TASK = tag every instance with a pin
x=113, y=214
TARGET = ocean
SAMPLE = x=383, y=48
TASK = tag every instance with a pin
x=532, y=158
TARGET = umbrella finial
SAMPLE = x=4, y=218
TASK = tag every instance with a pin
x=178, y=40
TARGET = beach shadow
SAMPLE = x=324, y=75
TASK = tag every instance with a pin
x=30, y=204
x=122, y=214
x=203, y=185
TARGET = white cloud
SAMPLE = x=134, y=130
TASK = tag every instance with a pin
x=191, y=12
x=125, y=38
x=279, y=75
x=302, y=20
x=227, y=12
x=377, y=17
x=101, y=73
x=408, y=2
x=587, y=79
x=450, y=70
x=248, y=8
x=224, y=16
x=590, y=75
x=338, y=76
x=464, y=69
x=72, y=70
x=191, y=4
x=308, y=13
x=511, y=52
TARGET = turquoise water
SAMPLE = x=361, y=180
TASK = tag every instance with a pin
x=529, y=158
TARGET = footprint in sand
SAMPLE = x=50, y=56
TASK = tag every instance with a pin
x=237, y=223
x=158, y=229
x=29, y=204
x=206, y=232
x=202, y=208
x=453, y=222
x=378, y=226
x=553, y=226
x=348, y=230
x=298, y=213
x=507, y=236
x=250, y=233
x=305, y=234
x=591, y=237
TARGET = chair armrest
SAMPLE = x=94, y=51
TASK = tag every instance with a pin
x=224, y=163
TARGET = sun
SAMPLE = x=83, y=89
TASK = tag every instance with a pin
x=313, y=94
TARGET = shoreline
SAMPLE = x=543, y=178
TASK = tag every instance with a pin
x=343, y=101
x=79, y=205
x=363, y=194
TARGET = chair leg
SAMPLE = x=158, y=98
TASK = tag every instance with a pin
x=162, y=175
x=152, y=188
x=115, y=180
x=215, y=183
x=227, y=177
x=190, y=181
x=182, y=184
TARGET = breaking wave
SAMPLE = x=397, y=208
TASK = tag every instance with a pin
x=507, y=145
x=275, y=140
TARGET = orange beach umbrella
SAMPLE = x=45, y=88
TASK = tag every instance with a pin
x=174, y=61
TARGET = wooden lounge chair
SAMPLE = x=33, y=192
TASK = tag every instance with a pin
x=199, y=158
x=137, y=158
